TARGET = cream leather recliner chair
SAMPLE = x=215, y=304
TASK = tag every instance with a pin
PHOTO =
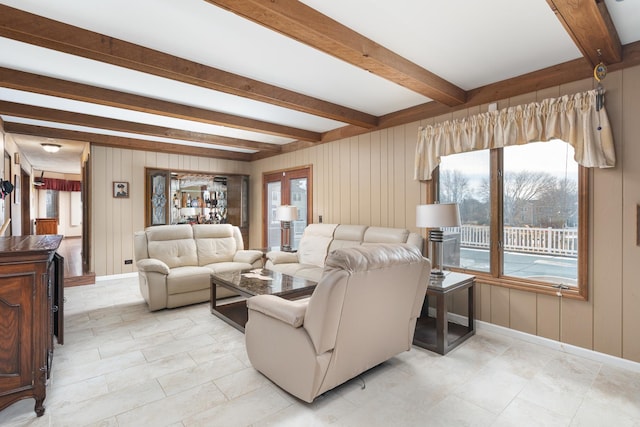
x=362, y=312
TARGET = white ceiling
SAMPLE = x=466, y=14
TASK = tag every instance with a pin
x=470, y=43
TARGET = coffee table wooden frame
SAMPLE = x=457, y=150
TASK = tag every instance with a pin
x=235, y=313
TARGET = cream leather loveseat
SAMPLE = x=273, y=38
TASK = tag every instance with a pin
x=362, y=312
x=318, y=240
x=175, y=262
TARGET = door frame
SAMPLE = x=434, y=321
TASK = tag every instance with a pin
x=85, y=197
x=283, y=176
x=25, y=199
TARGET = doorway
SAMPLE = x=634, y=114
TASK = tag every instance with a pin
x=25, y=197
x=286, y=187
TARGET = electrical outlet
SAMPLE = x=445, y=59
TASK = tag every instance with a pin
x=320, y=219
x=128, y=261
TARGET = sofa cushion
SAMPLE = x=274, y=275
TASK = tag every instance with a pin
x=292, y=269
x=215, y=243
x=188, y=279
x=347, y=236
x=385, y=235
x=172, y=244
x=312, y=273
x=224, y=267
x=314, y=244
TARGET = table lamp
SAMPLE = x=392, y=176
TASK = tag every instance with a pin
x=435, y=217
x=285, y=214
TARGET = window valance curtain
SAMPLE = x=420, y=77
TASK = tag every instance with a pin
x=574, y=119
x=60, y=185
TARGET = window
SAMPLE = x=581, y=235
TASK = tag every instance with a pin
x=51, y=203
x=523, y=211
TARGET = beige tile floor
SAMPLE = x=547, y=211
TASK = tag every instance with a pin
x=124, y=366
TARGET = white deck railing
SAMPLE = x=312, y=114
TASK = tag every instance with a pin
x=551, y=241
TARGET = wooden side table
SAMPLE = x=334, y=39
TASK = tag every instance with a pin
x=439, y=334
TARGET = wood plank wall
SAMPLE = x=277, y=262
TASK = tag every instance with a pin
x=115, y=220
x=369, y=180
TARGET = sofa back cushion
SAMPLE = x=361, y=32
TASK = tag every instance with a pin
x=373, y=294
x=314, y=244
x=216, y=242
x=140, y=250
x=172, y=244
x=347, y=236
x=385, y=235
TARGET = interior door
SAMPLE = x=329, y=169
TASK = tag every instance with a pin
x=290, y=187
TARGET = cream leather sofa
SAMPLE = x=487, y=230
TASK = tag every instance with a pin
x=362, y=312
x=318, y=240
x=175, y=262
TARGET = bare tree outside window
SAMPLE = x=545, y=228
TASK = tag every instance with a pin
x=538, y=233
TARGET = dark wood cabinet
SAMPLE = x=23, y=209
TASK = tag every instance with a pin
x=238, y=204
x=46, y=226
x=187, y=197
x=30, y=300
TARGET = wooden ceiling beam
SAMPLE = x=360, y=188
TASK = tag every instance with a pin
x=20, y=80
x=590, y=26
x=300, y=22
x=79, y=119
x=121, y=142
x=37, y=30
x=555, y=75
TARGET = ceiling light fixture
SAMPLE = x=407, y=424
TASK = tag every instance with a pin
x=51, y=148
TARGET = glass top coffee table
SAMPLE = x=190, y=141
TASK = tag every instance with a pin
x=254, y=282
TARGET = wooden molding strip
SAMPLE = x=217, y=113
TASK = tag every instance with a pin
x=300, y=22
x=37, y=30
x=79, y=119
x=120, y=142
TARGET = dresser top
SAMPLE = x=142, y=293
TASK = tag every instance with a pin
x=28, y=246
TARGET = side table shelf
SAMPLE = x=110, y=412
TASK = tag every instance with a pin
x=439, y=334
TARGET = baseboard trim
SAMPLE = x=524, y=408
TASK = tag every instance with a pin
x=557, y=345
x=546, y=342
x=116, y=276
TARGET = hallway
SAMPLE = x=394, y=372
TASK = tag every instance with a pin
x=71, y=250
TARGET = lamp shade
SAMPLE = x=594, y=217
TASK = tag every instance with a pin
x=188, y=211
x=437, y=215
x=286, y=213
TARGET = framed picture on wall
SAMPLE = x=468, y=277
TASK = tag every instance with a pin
x=120, y=189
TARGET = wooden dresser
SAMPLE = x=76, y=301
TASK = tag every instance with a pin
x=31, y=303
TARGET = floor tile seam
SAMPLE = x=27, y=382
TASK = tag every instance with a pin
x=116, y=415
x=555, y=413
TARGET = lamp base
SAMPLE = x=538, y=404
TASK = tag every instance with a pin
x=437, y=274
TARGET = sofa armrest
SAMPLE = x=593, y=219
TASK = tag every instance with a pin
x=287, y=311
x=247, y=256
x=152, y=264
x=278, y=257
